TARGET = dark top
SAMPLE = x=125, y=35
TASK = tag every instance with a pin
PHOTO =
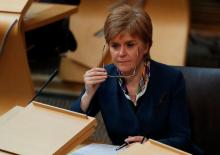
x=161, y=113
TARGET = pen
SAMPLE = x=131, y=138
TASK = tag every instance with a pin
x=125, y=144
x=121, y=146
x=143, y=139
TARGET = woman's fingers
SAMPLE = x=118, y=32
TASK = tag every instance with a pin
x=95, y=75
x=93, y=82
x=97, y=69
x=132, y=139
x=93, y=78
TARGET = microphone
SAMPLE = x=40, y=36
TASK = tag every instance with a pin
x=45, y=85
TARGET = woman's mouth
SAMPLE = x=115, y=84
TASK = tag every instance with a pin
x=122, y=62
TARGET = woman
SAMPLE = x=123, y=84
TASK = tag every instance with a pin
x=136, y=95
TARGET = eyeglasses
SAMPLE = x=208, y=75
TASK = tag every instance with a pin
x=117, y=76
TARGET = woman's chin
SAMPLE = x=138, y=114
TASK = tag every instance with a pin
x=125, y=68
x=126, y=71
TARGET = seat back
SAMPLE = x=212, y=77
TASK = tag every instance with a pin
x=203, y=94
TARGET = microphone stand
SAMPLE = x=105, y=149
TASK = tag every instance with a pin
x=45, y=85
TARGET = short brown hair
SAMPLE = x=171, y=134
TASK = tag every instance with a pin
x=126, y=18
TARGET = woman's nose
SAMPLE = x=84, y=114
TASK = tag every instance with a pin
x=122, y=51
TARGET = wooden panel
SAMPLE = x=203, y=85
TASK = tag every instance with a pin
x=10, y=114
x=16, y=6
x=85, y=24
x=45, y=130
x=170, y=30
x=71, y=70
x=205, y=19
x=41, y=14
x=15, y=78
x=6, y=28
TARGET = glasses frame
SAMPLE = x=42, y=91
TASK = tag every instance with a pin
x=117, y=76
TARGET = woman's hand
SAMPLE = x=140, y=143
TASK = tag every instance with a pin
x=134, y=139
x=92, y=79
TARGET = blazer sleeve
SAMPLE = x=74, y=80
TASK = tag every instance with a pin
x=93, y=108
x=179, y=131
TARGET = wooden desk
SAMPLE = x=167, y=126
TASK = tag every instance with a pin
x=20, y=6
x=41, y=14
x=10, y=114
x=39, y=125
x=16, y=86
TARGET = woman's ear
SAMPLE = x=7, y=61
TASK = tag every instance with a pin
x=146, y=49
x=146, y=52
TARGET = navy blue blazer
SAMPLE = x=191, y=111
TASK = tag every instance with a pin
x=161, y=113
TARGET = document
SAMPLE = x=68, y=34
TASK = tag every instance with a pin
x=96, y=149
x=150, y=147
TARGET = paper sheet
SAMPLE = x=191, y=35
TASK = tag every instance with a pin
x=96, y=149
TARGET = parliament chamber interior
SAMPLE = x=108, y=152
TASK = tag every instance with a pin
x=66, y=38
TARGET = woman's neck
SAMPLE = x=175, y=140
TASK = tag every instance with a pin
x=133, y=82
x=136, y=79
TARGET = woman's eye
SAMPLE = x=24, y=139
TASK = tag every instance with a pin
x=130, y=45
x=115, y=46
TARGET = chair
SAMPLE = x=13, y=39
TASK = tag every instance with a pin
x=203, y=88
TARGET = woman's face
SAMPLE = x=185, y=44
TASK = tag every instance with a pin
x=127, y=52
